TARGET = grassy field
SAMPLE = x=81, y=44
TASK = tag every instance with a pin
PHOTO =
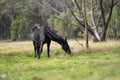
x=100, y=62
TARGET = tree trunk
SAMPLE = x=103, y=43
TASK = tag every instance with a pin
x=86, y=29
x=103, y=37
x=95, y=29
x=106, y=22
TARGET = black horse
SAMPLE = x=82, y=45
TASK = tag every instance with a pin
x=44, y=34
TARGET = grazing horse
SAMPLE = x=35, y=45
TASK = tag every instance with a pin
x=44, y=34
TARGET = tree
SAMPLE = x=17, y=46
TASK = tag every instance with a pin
x=114, y=27
x=5, y=21
x=103, y=20
x=106, y=21
x=86, y=29
x=65, y=15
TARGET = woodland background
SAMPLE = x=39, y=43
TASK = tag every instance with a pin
x=17, y=17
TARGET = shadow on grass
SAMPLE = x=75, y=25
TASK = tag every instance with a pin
x=13, y=54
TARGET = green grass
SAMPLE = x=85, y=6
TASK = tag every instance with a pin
x=94, y=64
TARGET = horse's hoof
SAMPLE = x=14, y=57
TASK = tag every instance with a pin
x=35, y=56
x=38, y=57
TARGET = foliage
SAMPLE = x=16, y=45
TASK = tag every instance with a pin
x=2, y=1
x=118, y=22
x=65, y=25
x=114, y=30
x=57, y=21
x=17, y=28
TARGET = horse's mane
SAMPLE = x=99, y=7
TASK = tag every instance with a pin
x=53, y=35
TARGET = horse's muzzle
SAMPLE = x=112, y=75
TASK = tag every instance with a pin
x=69, y=51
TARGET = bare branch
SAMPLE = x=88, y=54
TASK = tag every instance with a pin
x=46, y=2
x=115, y=3
x=38, y=3
x=72, y=12
x=58, y=12
x=77, y=5
x=110, y=13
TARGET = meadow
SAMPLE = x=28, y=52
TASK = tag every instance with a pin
x=100, y=62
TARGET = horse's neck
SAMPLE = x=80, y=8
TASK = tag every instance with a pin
x=59, y=40
x=53, y=36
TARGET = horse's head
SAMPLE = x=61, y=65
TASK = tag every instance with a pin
x=34, y=28
x=66, y=47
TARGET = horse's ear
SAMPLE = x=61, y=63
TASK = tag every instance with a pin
x=65, y=38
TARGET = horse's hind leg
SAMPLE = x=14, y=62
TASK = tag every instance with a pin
x=35, y=48
x=48, y=49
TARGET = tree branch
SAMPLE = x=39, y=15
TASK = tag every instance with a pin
x=72, y=12
x=102, y=12
x=75, y=1
x=92, y=13
x=93, y=20
x=58, y=12
x=115, y=3
x=110, y=11
x=81, y=22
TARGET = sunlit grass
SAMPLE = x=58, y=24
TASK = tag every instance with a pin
x=8, y=47
x=100, y=62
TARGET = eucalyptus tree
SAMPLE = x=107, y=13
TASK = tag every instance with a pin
x=101, y=12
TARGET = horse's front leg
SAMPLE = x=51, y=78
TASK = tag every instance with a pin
x=40, y=49
x=35, y=48
x=48, y=49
